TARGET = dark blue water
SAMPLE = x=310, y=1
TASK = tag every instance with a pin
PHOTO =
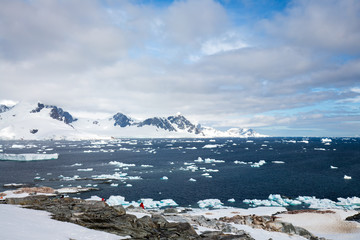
x=306, y=171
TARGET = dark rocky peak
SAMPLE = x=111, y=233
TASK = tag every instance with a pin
x=182, y=123
x=61, y=115
x=122, y=120
x=158, y=122
x=4, y=108
x=56, y=113
x=39, y=107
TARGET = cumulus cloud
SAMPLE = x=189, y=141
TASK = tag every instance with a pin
x=189, y=56
x=327, y=24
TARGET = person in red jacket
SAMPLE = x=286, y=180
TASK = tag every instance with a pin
x=142, y=206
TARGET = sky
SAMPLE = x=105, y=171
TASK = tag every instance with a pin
x=283, y=68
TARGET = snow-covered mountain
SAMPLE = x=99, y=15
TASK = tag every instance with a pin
x=41, y=121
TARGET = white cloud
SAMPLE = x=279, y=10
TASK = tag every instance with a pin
x=134, y=58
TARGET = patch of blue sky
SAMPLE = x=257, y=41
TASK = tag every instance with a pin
x=246, y=11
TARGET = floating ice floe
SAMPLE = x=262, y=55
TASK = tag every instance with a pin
x=240, y=162
x=164, y=178
x=191, y=168
x=210, y=160
x=28, y=156
x=212, y=146
x=121, y=164
x=147, y=166
x=114, y=184
x=319, y=149
x=333, y=167
x=128, y=185
x=326, y=140
x=76, y=165
x=85, y=169
x=258, y=164
x=191, y=148
x=199, y=160
x=192, y=180
x=347, y=177
x=115, y=176
x=75, y=177
x=276, y=200
x=210, y=203
x=278, y=162
x=149, y=203
x=210, y=170
x=231, y=200
x=18, y=146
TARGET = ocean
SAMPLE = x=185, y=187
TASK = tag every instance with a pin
x=189, y=170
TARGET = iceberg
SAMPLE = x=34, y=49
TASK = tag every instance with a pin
x=346, y=177
x=209, y=160
x=211, y=146
x=28, y=156
x=278, y=162
x=199, y=160
x=85, y=169
x=149, y=203
x=276, y=200
x=210, y=203
x=192, y=180
x=121, y=164
x=164, y=178
x=258, y=164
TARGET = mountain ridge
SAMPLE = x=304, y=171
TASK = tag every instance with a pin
x=40, y=121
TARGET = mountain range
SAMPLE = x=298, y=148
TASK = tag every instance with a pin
x=41, y=121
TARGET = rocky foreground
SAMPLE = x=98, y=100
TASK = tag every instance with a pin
x=156, y=224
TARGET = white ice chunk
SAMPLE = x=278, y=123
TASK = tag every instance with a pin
x=210, y=203
x=28, y=157
x=347, y=177
x=85, y=169
x=121, y=164
x=164, y=178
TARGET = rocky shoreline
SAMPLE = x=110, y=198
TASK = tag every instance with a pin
x=137, y=223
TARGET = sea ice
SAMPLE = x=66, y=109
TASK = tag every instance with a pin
x=164, y=178
x=149, y=203
x=333, y=167
x=231, y=200
x=191, y=168
x=115, y=176
x=258, y=164
x=210, y=203
x=147, y=166
x=76, y=165
x=276, y=200
x=85, y=169
x=121, y=164
x=211, y=146
x=347, y=177
x=27, y=157
x=209, y=160
x=278, y=162
x=192, y=180
x=199, y=160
